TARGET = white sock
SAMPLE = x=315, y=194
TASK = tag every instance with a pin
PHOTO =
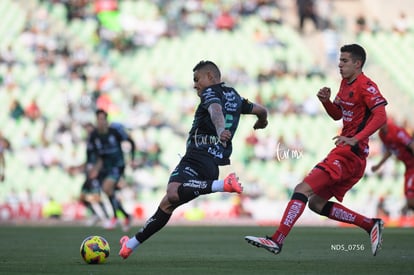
x=133, y=243
x=217, y=186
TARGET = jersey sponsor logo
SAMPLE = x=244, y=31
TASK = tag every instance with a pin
x=215, y=151
x=195, y=184
x=231, y=104
x=347, y=115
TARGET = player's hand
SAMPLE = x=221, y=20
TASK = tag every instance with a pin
x=341, y=140
x=260, y=124
x=225, y=136
x=324, y=94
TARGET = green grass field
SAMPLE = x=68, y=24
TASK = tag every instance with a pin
x=207, y=250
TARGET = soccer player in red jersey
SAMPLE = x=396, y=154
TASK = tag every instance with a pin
x=399, y=142
x=361, y=107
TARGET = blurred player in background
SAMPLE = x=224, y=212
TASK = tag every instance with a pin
x=2, y=160
x=209, y=145
x=361, y=107
x=91, y=189
x=106, y=141
x=397, y=141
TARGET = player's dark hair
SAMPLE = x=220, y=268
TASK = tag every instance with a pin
x=209, y=65
x=101, y=111
x=356, y=51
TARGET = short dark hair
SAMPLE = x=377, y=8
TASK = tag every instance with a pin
x=357, y=52
x=209, y=65
x=101, y=111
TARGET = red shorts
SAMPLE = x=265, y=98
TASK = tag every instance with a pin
x=409, y=183
x=337, y=173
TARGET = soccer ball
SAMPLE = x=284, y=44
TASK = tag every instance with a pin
x=94, y=250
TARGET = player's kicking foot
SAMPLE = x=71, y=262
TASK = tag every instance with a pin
x=376, y=236
x=266, y=243
x=232, y=184
x=124, y=252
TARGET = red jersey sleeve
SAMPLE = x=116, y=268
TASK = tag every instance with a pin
x=371, y=95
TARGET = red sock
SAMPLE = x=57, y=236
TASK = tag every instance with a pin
x=293, y=211
x=340, y=213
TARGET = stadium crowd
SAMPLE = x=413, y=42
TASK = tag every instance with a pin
x=55, y=58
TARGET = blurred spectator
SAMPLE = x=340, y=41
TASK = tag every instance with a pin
x=376, y=26
x=49, y=157
x=238, y=210
x=249, y=144
x=225, y=21
x=361, y=25
x=270, y=13
x=8, y=80
x=32, y=111
x=311, y=106
x=306, y=10
x=16, y=110
x=7, y=56
x=331, y=41
x=52, y=209
x=401, y=25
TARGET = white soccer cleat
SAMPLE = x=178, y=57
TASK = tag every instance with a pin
x=266, y=243
x=376, y=236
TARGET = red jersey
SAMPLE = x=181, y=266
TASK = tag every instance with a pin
x=396, y=140
x=356, y=100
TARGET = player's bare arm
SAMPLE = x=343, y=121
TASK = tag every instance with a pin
x=324, y=95
x=261, y=114
x=217, y=117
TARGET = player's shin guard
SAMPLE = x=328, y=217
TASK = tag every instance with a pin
x=153, y=225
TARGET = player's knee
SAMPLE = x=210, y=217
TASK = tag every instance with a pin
x=304, y=189
x=319, y=205
x=172, y=193
x=314, y=206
